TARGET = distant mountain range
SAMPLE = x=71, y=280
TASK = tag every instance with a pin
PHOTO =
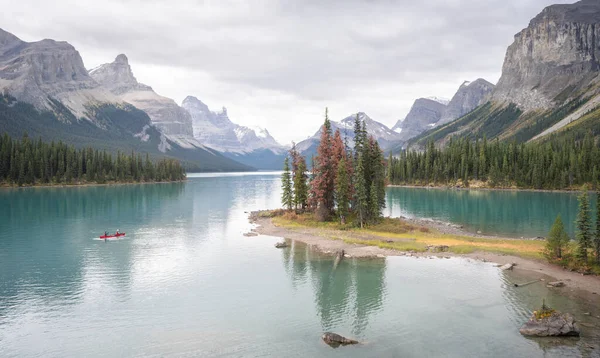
x=427, y=113
x=47, y=92
x=384, y=135
x=550, y=83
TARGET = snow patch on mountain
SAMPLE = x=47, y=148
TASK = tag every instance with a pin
x=217, y=131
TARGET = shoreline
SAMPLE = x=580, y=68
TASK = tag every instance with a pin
x=325, y=241
x=449, y=187
x=83, y=185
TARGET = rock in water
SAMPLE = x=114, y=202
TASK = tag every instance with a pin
x=508, y=266
x=558, y=324
x=335, y=340
x=281, y=245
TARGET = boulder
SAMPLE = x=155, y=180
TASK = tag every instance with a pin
x=335, y=340
x=508, y=266
x=281, y=245
x=557, y=324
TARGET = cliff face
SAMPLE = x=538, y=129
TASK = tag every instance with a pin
x=423, y=115
x=556, y=56
x=34, y=71
x=165, y=114
x=469, y=96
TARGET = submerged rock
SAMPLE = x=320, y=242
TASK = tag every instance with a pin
x=335, y=340
x=508, y=266
x=281, y=245
x=556, y=284
x=557, y=324
x=250, y=234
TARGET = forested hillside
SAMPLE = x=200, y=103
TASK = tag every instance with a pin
x=558, y=163
x=29, y=162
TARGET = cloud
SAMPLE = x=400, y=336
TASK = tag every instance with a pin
x=279, y=63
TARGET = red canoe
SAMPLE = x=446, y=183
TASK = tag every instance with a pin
x=112, y=236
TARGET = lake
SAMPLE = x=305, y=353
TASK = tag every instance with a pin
x=186, y=282
x=507, y=213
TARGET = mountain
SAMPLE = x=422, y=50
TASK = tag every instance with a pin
x=172, y=120
x=469, y=96
x=427, y=113
x=424, y=114
x=47, y=70
x=251, y=146
x=550, y=82
x=384, y=135
x=48, y=93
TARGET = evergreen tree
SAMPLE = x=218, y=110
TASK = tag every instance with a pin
x=597, y=237
x=324, y=167
x=584, y=227
x=342, y=191
x=558, y=239
x=361, y=191
x=287, y=198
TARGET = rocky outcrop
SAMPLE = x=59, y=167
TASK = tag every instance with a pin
x=166, y=115
x=46, y=70
x=557, y=55
x=216, y=130
x=469, y=96
x=335, y=340
x=424, y=114
x=557, y=324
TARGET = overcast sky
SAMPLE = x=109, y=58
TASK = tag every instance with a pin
x=278, y=64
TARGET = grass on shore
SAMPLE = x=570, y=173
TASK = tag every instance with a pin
x=403, y=236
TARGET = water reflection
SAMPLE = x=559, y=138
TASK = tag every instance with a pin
x=515, y=213
x=350, y=292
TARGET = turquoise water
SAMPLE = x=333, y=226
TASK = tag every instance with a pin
x=186, y=282
x=502, y=212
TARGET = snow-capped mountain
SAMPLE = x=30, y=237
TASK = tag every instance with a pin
x=46, y=91
x=216, y=130
x=252, y=146
x=423, y=115
x=384, y=135
x=166, y=115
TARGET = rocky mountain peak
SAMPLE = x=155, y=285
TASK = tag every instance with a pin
x=121, y=58
x=469, y=96
x=552, y=59
x=8, y=40
x=117, y=76
x=583, y=12
x=43, y=71
x=423, y=115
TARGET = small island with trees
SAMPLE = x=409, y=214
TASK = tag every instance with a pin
x=337, y=207
x=29, y=162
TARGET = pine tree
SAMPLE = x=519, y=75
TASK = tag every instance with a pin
x=597, y=237
x=558, y=239
x=374, y=211
x=342, y=191
x=361, y=191
x=324, y=167
x=287, y=198
x=299, y=181
x=584, y=227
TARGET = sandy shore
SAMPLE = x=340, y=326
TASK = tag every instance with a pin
x=587, y=286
